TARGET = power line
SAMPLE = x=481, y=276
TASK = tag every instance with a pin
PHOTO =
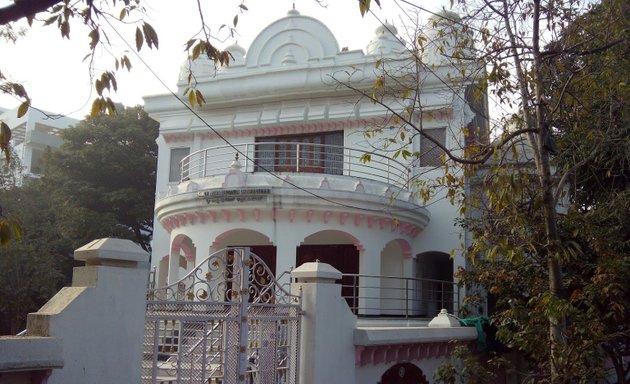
x=244, y=155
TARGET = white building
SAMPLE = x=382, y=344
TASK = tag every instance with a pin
x=273, y=161
x=32, y=134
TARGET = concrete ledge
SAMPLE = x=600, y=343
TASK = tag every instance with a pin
x=25, y=353
x=316, y=272
x=411, y=335
x=110, y=251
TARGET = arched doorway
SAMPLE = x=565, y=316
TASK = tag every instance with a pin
x=337, y=249
x=435, y=269
x=258, y=243
x=182, y=258
x=403, y=373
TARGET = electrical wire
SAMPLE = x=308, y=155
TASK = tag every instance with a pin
x=241, y=153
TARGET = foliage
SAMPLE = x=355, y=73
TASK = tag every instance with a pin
x=100, y=183
x=10, y=173
x=35, y=267
x=102, y=180
x=98, y=20
x=546, y=198
x=465, y=367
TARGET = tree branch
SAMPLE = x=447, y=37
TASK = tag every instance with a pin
x=24, y=8
x=479, y=159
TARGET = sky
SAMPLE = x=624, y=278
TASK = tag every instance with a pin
x=58, y=80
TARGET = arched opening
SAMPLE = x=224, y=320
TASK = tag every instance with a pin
x=435, y=274
x=395, y=298
x=404, y=373
x=337, y=249
x=162, y=272
x=258, y=243
x=182, y=258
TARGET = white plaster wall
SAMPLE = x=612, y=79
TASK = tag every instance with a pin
x=101, y=328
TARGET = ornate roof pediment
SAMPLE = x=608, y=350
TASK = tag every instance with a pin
x=294, y=39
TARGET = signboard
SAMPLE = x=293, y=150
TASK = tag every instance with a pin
x=237, y=195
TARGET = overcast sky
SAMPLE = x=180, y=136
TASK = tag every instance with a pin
x=58, y=80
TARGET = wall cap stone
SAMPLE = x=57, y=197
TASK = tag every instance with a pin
x=316, y=272
x=444, y=320
x=25, y=353
x=114, y=252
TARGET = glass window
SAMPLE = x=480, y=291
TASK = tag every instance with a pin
x=317, y=153
x=430, y=153
x=175, y=171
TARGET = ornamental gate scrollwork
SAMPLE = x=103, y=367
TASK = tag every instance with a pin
x=228, y=321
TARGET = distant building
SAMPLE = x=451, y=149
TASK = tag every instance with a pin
x=32, y=134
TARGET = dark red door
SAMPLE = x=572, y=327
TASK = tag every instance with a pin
x=261, y=278
x=344, y=257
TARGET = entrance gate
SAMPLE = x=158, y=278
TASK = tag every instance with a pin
x=228, y=321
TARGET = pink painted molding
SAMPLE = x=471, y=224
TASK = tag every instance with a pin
x=202, y=217
x=399, y=353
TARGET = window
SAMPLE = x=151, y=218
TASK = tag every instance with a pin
x=175, y=171
x=37, y=161
x=314, y=153
x=430, y=153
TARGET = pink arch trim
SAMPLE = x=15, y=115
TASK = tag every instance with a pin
x=353, y=239
x=221, y=238
x=180, y=243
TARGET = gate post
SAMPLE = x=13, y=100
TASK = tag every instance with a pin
x=327, y=331
x=100, y=318
x=244, y=261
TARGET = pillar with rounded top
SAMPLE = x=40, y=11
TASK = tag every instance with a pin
x=327, y=325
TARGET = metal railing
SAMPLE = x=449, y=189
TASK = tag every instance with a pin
x=399, y=297
x=282, y=157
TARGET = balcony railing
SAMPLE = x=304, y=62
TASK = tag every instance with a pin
x=399, y=297
x=284, y=157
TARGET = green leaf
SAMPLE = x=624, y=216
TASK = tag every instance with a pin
x=199, y=97
x=192, y=99
x=17, y=230
x=196, y=52
x=22, y=109
x=139, y=39
x=65, y=29
x=97, y=107
x=150, y=35
x=94, y=38
x=5, y=232
x=5, y=135
x=364, y=6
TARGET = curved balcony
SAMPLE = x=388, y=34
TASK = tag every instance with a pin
x=296, y=157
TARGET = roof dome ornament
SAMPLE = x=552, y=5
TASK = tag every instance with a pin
x=238, y=54
x=385, y=41
x=201, y=67
x=447, y=39
x=293, y=11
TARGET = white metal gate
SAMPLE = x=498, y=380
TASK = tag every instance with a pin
x=228, y=321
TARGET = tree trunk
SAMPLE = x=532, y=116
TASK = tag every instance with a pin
x=557, y=328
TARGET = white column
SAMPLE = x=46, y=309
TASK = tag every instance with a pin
x=173, y=266
x=411, y=290
x=286, y=252
x=370, y=287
